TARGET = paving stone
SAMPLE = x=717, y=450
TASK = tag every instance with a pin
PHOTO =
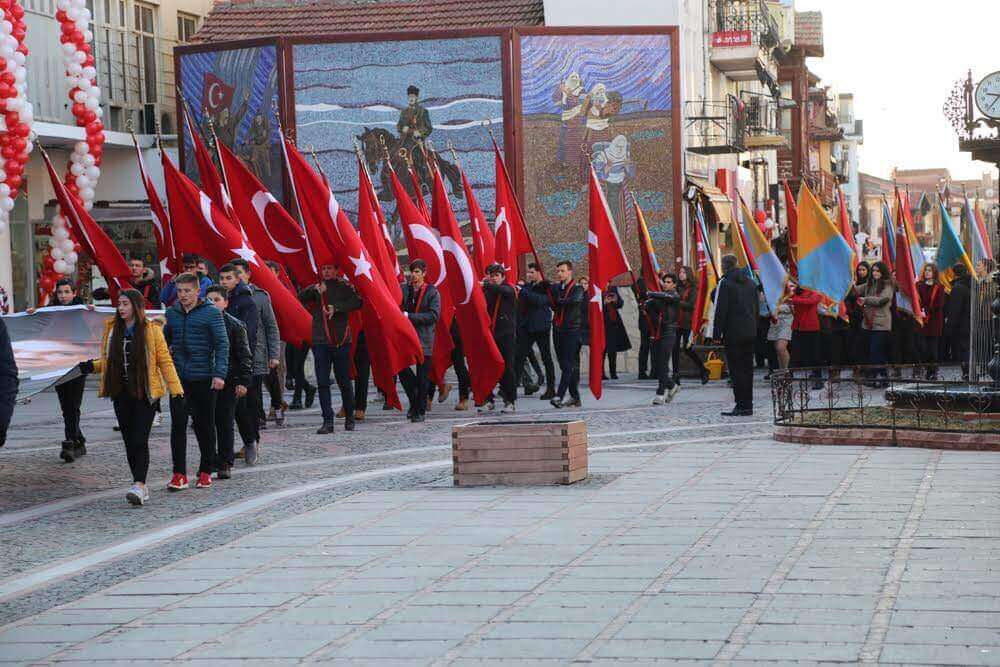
x=138, y=650
x=48, y=634
x=365, y=648
x=545, y=630
x=273, y=648
x=658, y=648
x=29, y=651
x=207, y=615
x=801, y=651
x=924, y=654
x=563, y=649
x=676, y=630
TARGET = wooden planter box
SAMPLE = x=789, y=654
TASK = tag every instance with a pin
x=510, y=453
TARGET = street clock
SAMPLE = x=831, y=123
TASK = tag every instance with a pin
x=988, y=95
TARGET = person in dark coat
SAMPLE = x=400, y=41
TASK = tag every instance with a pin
x=640, y=292
x=70, y=393
x=736, y=325
x=8, y=382
x=243, y=307
x=858, y=347
x=330, y=302
x=568, y=311
x=957, y=317
x=932, y=299
x=422, y=305
x=661, y=307
x=146, y=285
x=615, y=336
x=501, y=306
x=535, y=319
x=237, y=381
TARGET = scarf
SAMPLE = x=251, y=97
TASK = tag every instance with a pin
x=126, y=375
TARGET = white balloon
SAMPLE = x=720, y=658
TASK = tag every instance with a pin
x=99, y=111
x=4, y=190
x=84, y=84
x=83, y=182
x=90, y=72
x=67, y=246
x=56, y=252
x=6, y=53
x=60, y=233
x=7, y=204
x=93, y=172
x=71, y=257
x=69, y=48
x=87, y=194
x=87, y=205
x=76, y=168
x=80, y=57
x=80, y=148
x=72, y=13
x=10, y=65
x=29, y=146
x=15, y=103
x=91, y=103
x=3, y=176
x=7, y=27
x=88, y=159
x=18, y=57
x=95, y=92
x=76, y=69
x=60, y=267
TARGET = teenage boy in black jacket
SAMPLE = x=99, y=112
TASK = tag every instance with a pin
x=422, y=305
x=237, y=380
x=501, y=305
x=535, y=300
x=567, y=319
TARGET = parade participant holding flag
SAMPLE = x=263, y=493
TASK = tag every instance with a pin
x=535, y=318
x=422, y=305
x=501, y=304
x=661, y=307
x=567, y=321
x=929, y=335
x=687, y=293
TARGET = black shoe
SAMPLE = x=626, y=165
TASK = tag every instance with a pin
x=310, y=395
x=738, y=412
x=704, y=376
x=225, y=472
x=296, y=405
x=290, y=383
x=556, y=402
x=572, y=403
x=530, y=389
x=68, y=452
x=349, y=425
x=418, y=418
x=614, y=376
x=79, y=449
x=325, y=429
x=411, y=413
x=643, y=376
x=603, y=376
x=677, y=380
x=548, y=395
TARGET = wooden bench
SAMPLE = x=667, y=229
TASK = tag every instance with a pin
x=513, y=453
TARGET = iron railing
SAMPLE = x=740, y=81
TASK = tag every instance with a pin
x=761, y=114
x=751, y=16
x=901, y=399
x=715, y=126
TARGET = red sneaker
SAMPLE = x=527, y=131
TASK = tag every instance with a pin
x=178, y=482
x=204, y=480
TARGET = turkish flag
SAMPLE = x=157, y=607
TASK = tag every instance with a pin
x=392, y=341
x=216, y=93
x=269, y=227
x=419, y=195
x=211, y=182
x=423, y=243
x=486, y=364
x=512, y=238
x=483, y=242
x=201, y=227
x=373, y=234
x=90, y=236
x=607, y=261
x=316, y=203
x=170, y=260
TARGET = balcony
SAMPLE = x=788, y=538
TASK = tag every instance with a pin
x=761, y=113
x=743, y=35
x=823, y=185
x=715, y=127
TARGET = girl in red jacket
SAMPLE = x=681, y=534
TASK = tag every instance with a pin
x=929, y=335
x=806, y=336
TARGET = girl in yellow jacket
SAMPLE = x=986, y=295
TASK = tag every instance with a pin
x=136, y=370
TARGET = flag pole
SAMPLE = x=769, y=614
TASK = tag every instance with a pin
x=517, y=203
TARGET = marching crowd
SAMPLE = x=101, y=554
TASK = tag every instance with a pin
x=217, y=350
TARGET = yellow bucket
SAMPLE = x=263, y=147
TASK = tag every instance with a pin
x=714, y=366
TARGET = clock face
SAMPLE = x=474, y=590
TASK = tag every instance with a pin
x=988, y=95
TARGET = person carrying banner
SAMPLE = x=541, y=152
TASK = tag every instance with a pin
x=568, y=314
x=136, y=370
x=196, y=334
x=422, y=305
x=330, y=301
x=237, y=381
x=501, y=305
x=70, y=393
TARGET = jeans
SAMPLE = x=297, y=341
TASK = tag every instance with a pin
x=296, y=362
x=248, y=412
x=135, y=419
x=70, y=399
x=363, y=366
x=681, y=345
x=415, y=384
x=325, y=357
x=661, y=350
x=739, y=356
x=198, y=403
x=225, y=415
x=541, y=339
x=567, y=345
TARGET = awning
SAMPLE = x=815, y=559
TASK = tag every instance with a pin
x=718, y=205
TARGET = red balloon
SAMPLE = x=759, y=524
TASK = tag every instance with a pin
x=8, y=78
x=61, y=16
x=13, y=181
x=78, y=109
x=89, y=62
x=99, y=137
x=18, y=33
x=22, y=129
x=17, y=10
x=46, y=284
x=88, y=117
x=68, y=27
x=77, y=248
x=47, y=261
x=5, y=90
x=19, y=144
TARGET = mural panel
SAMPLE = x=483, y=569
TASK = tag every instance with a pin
x=402, y=98
x=237, y=90
x=606, y=100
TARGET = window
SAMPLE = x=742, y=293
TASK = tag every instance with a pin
x=186, y=27
x=145, y=51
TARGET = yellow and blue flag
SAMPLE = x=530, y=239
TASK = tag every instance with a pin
x=950, y=249
x=770, y=273
x=824, y=256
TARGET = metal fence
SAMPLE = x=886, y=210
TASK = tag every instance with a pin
x=901, y=400
x=983, y=333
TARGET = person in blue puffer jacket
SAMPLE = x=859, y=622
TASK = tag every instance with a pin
x=199, y=344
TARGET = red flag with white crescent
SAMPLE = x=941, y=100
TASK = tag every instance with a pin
x=371, y=229
x=483, y=242
x=512, y=237
x=170, y=260
x=486, y=364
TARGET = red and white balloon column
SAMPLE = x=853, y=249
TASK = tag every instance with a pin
x=85, y=161
x=15, y=109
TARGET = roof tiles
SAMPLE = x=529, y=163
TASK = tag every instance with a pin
x=245, y=20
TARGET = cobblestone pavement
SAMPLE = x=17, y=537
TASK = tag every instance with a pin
x=694, y=540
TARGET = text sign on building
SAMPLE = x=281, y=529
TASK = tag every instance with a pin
x=732, y=38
